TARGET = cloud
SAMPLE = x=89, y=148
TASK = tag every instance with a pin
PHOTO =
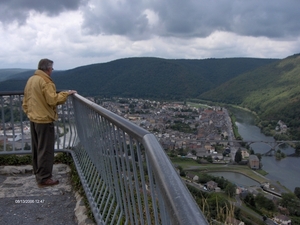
x=16, y=10
x=81, y=32
x=141, y=19
x=193, y=18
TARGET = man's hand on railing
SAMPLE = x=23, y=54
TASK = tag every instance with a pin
x=70, y=92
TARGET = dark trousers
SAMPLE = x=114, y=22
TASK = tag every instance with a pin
x=42, y=145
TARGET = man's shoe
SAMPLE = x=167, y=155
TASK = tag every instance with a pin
x=49, y=182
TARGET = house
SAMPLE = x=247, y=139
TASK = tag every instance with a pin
x=282, y=219
x=190, y=156
x=245, y=153
x=211, y=185
x=283, y=126
x=195, y=178
x=253, y=162
x=239, y=190
x=2, y=139
x=207, y=146
x=201, y=153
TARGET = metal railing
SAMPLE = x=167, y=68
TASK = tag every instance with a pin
x=15, y=127
x=126, y=175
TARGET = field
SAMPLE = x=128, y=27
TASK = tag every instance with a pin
x=192, y=165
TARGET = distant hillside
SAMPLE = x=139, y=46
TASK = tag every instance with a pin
x=270, y=87
x=6, y=74
x=156, y=78
x=148, y=77
x=272, y=91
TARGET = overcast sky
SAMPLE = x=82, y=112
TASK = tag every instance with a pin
x=80, y=32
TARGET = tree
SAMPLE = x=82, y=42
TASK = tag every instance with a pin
x=291, y=202
x=297, y=149
x=209, y=159
x=249, y=199
x=230, y=189
x=27, y=146
x=264, y=202
x=297, y=192
x=238, y=156
x=181, y=171
x=237, y=212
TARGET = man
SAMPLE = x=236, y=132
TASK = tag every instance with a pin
x=39, y=103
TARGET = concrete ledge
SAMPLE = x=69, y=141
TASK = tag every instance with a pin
x=20, y=195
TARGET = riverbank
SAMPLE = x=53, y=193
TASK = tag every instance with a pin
x=244, y=170
x=192, y=165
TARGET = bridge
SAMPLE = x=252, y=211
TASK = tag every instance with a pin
x=273, y=144
x=125, y=173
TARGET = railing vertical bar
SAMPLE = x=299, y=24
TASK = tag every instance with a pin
x=126, y=178
x=70, y=130
x=113, y=218
x=103, y=198
x=89, y=172
x=3, y=124
x=100, y=193
x=90, y=175
x=12, y=122
x=162, y=207
x=64, y=125
x=115, y=167
x=131, y=187
x=19, y=104
x=152, y=190
x=106, y=162
x=136, y=180
x=109, y=152
x=120, y=154
x=108, y=207
x=96, y=212
x=142, y=174
x=95, y=182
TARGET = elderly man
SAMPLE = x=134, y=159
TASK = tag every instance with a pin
x=39, y=103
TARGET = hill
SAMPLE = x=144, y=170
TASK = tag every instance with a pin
x=6, y=74
x=147, y=77
x=269, y=87
x=272, y=91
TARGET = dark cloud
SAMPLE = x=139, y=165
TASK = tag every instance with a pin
x=177, y=18
x=194, y=18
x=18, y=10
x=120, y=18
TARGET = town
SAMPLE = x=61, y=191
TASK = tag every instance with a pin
x=194, y=132
x=185, y=130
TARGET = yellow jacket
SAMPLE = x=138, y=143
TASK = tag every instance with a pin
x=40, y=98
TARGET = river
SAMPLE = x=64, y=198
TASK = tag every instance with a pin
x=286, y=171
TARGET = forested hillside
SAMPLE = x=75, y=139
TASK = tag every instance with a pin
x=147, y=77
x=6, y=74
x=272, y=91
x=270, y=87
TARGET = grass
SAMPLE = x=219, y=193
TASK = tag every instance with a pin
x=192, y=165
x=184, y=162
